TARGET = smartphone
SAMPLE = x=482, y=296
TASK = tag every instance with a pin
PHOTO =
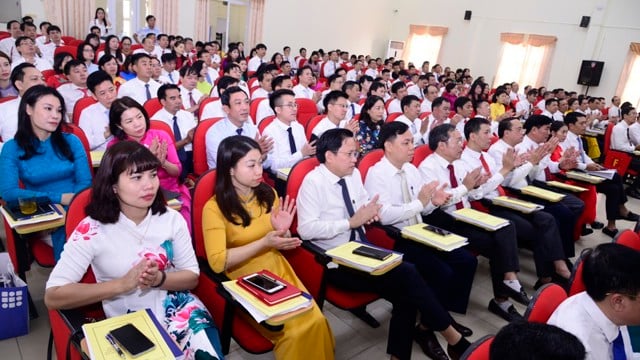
x=264, y=283
x=132, y=340
x=373, y=253
x=437, y=230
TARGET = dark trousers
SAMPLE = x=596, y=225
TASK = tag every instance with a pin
x=500, y=246
x=615, y=196
x=539, y=230
x=635, y=165
x=187, y=165
x=405, y=288
x=449, y=273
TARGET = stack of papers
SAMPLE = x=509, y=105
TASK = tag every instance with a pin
x=517, y=204
x=480, y=219
x=421, y=234
x=260, y=311
x=563, y=186
x=344, y=255
x=283, y=174
x=606, y=174
x=542, y=193
x=143, y=320
x=577, y=175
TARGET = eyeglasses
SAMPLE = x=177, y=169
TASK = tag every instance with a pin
x=291, y=105
x=351, y=154
x=344, y=106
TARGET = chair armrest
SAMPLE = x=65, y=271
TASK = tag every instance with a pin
x=321, y=257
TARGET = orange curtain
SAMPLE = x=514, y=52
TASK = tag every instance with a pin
x=202, y=20
x=256, y=16
x=166, y=13
x=73, y=16
x=423, y=43
x=525, y=58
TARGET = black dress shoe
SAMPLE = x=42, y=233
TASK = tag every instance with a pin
x=611, y=233
x=463, y=330
x=429, y=344
x=633, y=193
x=597, y=225
x=510, y=315
x=519, y=296
x=455, y=351
x=630, y=216
x=586, y=231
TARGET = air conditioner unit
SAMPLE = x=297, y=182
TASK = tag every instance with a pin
x=395, y=49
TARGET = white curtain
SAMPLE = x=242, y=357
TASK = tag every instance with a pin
x=525, y=59
x=423, y=44
x=166, y=13
x=256, y=16
x=629, y=83
x=72, y=16
x=202, y=20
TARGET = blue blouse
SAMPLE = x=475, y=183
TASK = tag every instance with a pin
x=44, y=174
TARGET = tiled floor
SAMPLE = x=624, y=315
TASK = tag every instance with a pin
x=354, y=339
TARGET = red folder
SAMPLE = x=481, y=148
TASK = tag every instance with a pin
x=289, y=291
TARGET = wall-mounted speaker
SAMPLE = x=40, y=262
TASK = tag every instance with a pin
x=467, y=15
x=590, y=72
x=584, y=22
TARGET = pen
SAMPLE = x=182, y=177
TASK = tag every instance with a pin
x=111, y=341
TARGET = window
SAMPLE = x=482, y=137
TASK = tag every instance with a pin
x=629, y=83
x=525, y=59
x=424, y=43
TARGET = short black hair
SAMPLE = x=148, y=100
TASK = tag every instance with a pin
x=96, y=78
x=261, y=46
x=276, y=95
x=225, y=82
x=439, y=134
x=225, y=97
x=136, y=57
x=331, y=140
x=572, y=117
x=397, y=86
x=332, y=96
x=71, y=64
x=611, y=268
x=536, y=121
x=53, y=28
x=162, y=91
x=277, y=81
x=17, y=74
x=390, y=131
x=473, y=126
x=168, y=57
x=460, y=102
x=522, y=340
x=407, y=100
x=504, y=125
x=437, y=102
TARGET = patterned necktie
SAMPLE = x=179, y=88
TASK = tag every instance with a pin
x=454, y=184
x=292, y=141
x=148, y=91
x=182, y=153
x=348, y=203
x=406, y=196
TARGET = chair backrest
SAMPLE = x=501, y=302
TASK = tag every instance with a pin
x=265, y=122
x=576, y=284
x=5, y=99
x=67, y=39
x=479, y=350
x=628, y=238
x=544, y=303
x=607, y=138
x=391, y=117
x=296, y=175
x=48, y=73
x=77, y=131
x=308, y=130
x=75, y=212
x=80, y=105
x=204, y=103
x=200, y=145
x=66, y=48
x=203, y=191
x=253, y=109
x=421, y=153
x=161, y=125
x=367, y=161
x=306, y=110
x=152, y=106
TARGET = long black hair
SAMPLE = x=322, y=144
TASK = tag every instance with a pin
x=230, y=151
x=26, y=138
x=125, y=156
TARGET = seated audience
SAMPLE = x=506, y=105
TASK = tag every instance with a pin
x=76, y=88
x=6, y=88
x=94, y=119
x=141, y=88
x=369, y=124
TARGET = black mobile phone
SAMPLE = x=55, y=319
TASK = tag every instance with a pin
x=373, y=253
x=132, y=340
x=264, y=283
x=437, y=230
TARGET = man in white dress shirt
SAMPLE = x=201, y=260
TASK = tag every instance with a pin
x=431, y=93
x=399, y=91
x=55, y=40
x=254, y=62
x=264, y=79
x=23, y=77
x=613, y=189
x=439, y=115
x=8, y=45
x=27, y=53
x=287, y=56
x=525, y=106
x=335, y=82
x=551, y=110
x=305, y=79
x=599, y=316
x=76, y=89
x=329, y=67
x=614, y=110
x=499, y=246
x=169, y=74
x=191, y=97
x=235, y=104
x=213, y=108
x=405, y=196
x=277, y=83
x=417, y=89
x=142, y=87
x=622, y=139
x=372, y=69
x=464, y=107
x=336, y=104
x=180, y=121
x=148, y=47
x=289, y=142
x=333, y=206
x=410, y=112
x=355, y=73
x=94, y=119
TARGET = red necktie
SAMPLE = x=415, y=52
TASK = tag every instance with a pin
x=84, y=92
x=454, y=184
x=191, y=99
x=485, y=166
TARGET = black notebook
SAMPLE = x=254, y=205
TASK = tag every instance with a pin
x=44, y=207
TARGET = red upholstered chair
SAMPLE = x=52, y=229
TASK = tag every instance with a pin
x=161, y=125
x=421, y=153
x=68, y=39
x=424, y=115
x=48, y=73
x=628, y=238
x=265, y=122
x=479, y=350
x=5, y=99
x=311, y=274
x=306, y=110
x=391, y=117
x=80, y=105
x=77, y=131
x=68, y=48
x=615, y=159
x=576, y=284
x=200, y=145
x=308, y=130
x=253, y=109
x=544, y=303
x=205, y=102
x=152, y=106
x=135, y=47
x=209, y=289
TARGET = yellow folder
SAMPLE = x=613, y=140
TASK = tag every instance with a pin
x=542, y=193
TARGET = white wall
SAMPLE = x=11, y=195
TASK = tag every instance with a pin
x=365, y=26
